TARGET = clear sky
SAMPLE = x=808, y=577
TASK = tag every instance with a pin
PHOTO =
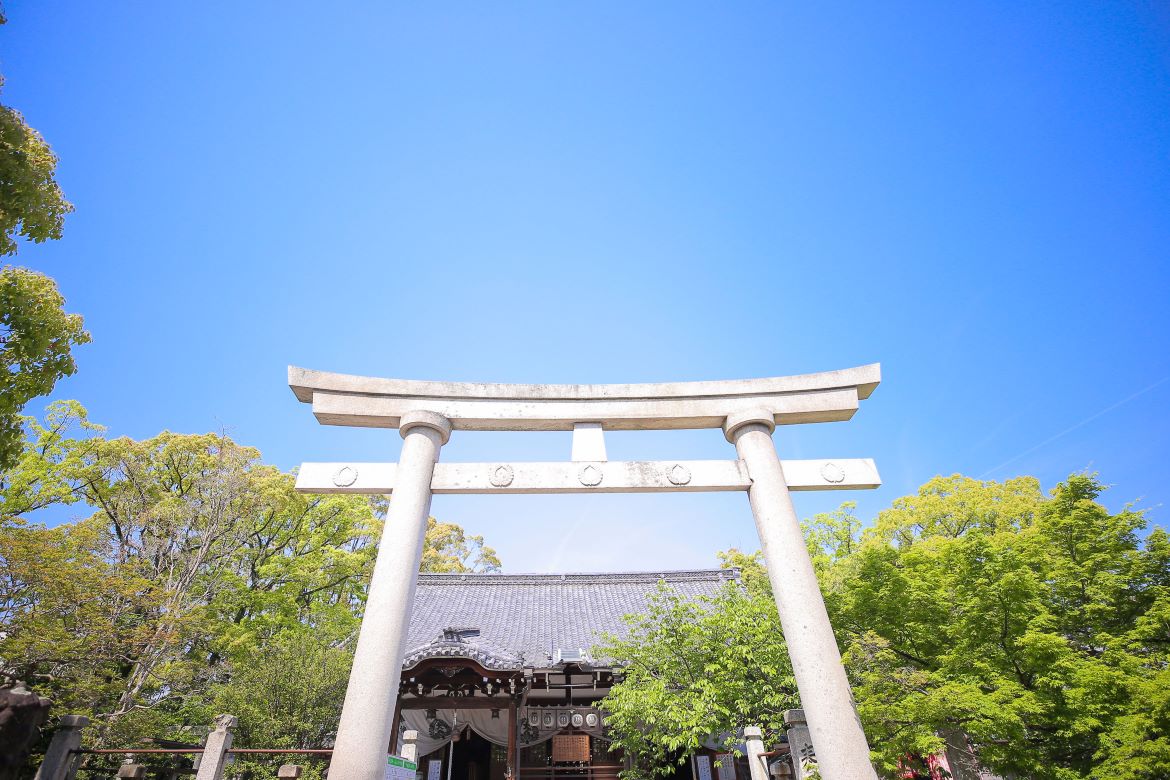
x=976, y=195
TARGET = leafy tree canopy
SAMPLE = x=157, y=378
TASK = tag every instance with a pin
x=199, y=578
x=31, y=202
x=36, y=334
x=1031, y=624
x=36, y=348
x=694, y=673
x=1030, y=632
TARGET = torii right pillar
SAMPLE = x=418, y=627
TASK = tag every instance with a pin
x=842, y=751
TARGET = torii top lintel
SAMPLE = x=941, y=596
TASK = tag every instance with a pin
x=372, y=402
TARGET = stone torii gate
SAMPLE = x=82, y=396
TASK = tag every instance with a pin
x=748, y=411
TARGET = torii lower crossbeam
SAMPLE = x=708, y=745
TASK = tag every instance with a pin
x=634, y=476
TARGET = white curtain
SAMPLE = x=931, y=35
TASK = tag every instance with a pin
x=437, y=732
x=431, y=736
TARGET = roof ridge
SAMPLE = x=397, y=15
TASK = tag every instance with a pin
x=668, y=575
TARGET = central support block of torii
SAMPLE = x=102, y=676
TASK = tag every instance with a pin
x=747, y=410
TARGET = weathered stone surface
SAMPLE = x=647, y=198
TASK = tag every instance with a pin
x=58, y=762
x=589, y=442
x=780, y=769
x=800, y=744
x=753, y=739
x=638, y=476
x=341, y=399
x=304, y=382
x=816, y=661
x=215, y=748
x=22, y=713
x=367, y=716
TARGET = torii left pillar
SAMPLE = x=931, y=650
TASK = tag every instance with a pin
x=367, y=718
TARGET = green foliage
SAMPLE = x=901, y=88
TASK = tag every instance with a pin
x=36, y=345
x=1137, y=747
x=449, y=549
x=36, y=334
x=752, y=573
x=696, y=672
x=31, y=203
x=1005, y=614
x=1034, y=628
x=201, y=579
x=66, y=611
x=286, y=694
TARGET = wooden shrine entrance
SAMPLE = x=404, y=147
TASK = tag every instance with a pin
x=493, y=655
x=748, y=411
x=469, y=757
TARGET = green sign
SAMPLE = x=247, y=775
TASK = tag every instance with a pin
x=400, y=769
x=401, y=762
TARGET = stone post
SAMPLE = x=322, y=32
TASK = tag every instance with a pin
x=753, y=739
x=215, y=748
x=131, y=770
x=410, y=746
x=962, y=761
x=367, y=716
x=799, y=743
x=840, y=743
x=780, y=770
x=22, y=713
x=59, y=763
x=289, y=770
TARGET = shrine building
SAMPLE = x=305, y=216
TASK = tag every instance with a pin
x=499, y=672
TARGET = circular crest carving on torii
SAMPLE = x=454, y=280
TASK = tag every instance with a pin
x=502, y=476
x=590, y=475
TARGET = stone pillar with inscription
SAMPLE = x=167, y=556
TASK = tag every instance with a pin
x=367, y=716
x=804, y=758
x=816, y=661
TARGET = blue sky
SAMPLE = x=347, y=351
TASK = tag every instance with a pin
x=975, y=195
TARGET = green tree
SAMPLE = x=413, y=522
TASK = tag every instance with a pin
x=1137, y=746
x=37, y=337
x=197, y=564
x=449, y=549
x=1031, y=629
x=31, y=202
x=287, y=696
x=694, y=673
x=1010, y=616
x=36, y=334
x=67, y=614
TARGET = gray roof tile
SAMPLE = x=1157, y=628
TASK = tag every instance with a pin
x=534, y=615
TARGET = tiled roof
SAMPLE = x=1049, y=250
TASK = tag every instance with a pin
x=531, y=616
